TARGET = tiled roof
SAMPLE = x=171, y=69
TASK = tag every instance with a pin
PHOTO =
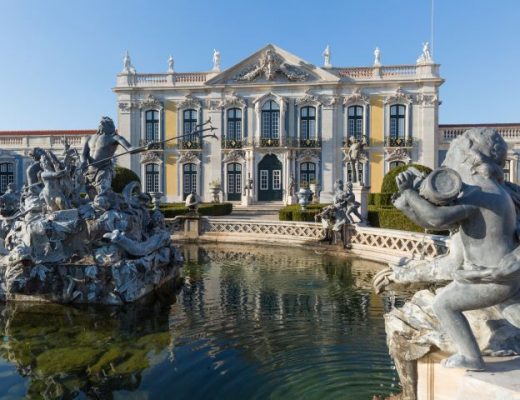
x=49, y=132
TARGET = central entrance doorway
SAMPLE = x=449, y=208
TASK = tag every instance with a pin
x=234, y=181
x=270, y=179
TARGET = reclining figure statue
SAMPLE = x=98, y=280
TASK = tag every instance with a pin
x=481, y=270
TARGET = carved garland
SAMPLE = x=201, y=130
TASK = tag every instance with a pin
x=189, y=102
x=232, y=100
x=234, y=156
x=189, y=157
x=427, y=99
x=398, y=154
x=150, y=102
x=308, y=98
x=308, y=155
x=356, y=97
x=399, y=96
x=150, y=157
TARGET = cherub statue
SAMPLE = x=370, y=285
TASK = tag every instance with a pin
x=483, y=265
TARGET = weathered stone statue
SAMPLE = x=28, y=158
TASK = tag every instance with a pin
x=426, y=55
x=97, y=157
x=355, y=154
x=352, y=205
x=377, y=57
x=62, y=246
x=477, y=310
x=216, y=60
x=326, y=56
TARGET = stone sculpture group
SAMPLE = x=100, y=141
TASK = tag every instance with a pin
x=70, y=238
x=472, y=305
x=334, y=217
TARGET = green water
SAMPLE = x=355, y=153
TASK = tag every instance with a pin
x=248, y=323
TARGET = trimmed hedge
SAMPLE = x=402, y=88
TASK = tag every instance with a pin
x=122, y=177
x=391, y=218
x=294, y=212
x=390, y=186
x=171, y=210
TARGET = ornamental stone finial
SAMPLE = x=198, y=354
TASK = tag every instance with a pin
x=128, y=68
x=170, y=65
x=377, y=57
x=216, y=60
x=326, y=55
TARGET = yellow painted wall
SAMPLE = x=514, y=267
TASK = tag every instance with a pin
x=170, y=129
x=377, y=166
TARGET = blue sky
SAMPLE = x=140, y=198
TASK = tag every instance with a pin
x=59, y=58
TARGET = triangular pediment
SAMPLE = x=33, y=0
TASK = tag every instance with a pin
x=272, y=64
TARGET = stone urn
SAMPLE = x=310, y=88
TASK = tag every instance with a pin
x=215, y=191
x=315, y=189
x=303, y=197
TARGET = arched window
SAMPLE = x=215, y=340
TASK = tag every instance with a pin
x=152, y=126
x=6, y=175
x=360, y=173
x=395, y=164
x=355, y=121
x=308, y=123
x=152, y=178
x=397, y=121
x=234, y=124
x=307, y=173
x=189, y=179
x=189, y=122
x=270, y=120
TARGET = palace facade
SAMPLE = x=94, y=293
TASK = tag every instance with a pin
x=281, y=121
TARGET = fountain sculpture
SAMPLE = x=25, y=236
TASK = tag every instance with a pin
x=71, y=239
x=472, y=305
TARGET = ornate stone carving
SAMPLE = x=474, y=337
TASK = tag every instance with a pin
x=150, y=157
x=189, y=102
x=471, y=306
x=151, y=102
x=397, y=154
x=216, y=60
x=377, y=57
x=427, y=99
x=329, y=101
x=234, y=156
x=308, y=98
x=270, y=65
x=356, y=97
x=233, y=100
x=308, y=155
x=426, y=56
x=399, y=96
x=189, y=157
x=124, y=107
x=326, y=57
x=128, y=68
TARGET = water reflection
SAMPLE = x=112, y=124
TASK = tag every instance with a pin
x=248, y=323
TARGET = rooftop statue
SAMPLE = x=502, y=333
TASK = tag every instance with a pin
x=377, y=57
x=426, y=55
x=480, y=276
x=216, y=60
x=326, y=56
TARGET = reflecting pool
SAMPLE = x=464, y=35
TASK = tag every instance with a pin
x=248, y=323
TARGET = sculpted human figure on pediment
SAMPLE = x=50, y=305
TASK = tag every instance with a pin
x=269, y=66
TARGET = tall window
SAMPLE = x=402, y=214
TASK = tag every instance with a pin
x=270, y=120
x=6, y=175
x=355, y=121
x=507, y=171
x=397, y=121
x=152, y=178
x=234, y=124
x=308, y=123
x=307, y=173
x=189, y=179
x=152, y=126
x=189, y=122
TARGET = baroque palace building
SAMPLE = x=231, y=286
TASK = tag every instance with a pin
x=282, y=122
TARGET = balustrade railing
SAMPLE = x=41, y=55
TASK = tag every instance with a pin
x=11, y=141
x=510, y=133
x=357, y=72
x=398, y=70
x=190, y=77
x=268, y=142
x=152, y=144
x=71, y=140
x=190, y=144
x=232, y=143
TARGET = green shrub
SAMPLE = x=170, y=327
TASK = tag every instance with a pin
x=122, y=177
x=287, y=213
x=390, y=186
x=307, y=215
x=371, y=199
x=171, y=210
x=382, y=199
